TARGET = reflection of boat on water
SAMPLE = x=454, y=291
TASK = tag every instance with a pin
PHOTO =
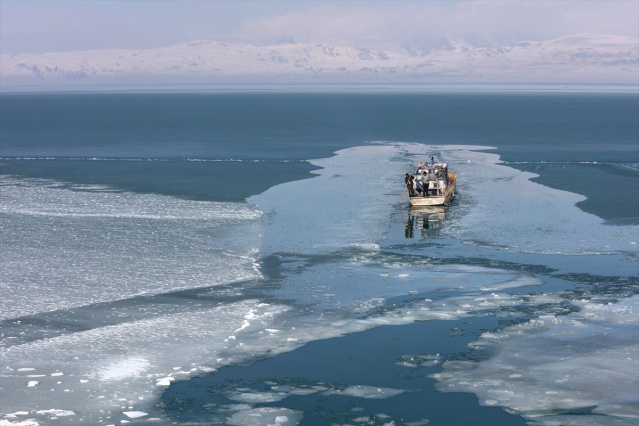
x=432, y=185
x=432, y=213
x=427, y=219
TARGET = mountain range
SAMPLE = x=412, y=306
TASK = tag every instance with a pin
x=579, y=58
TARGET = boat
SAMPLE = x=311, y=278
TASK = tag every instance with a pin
x=431, y=185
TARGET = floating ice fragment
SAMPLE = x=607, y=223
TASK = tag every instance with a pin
x=422, y=422
x=258, y=397
x=18, y=413
x=32, y=384
x=369, y=392
x=164, y=382
x=135, y=414
x=298, y=391
x=57, y=374
x=56, y=412
x=26, y=369
x=265, y=416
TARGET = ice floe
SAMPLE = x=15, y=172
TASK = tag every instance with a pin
x=94, y=247
x=556, y=367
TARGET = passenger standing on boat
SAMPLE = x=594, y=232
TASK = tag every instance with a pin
x=420, y=187
x=409, y=184
x=432, y=160
x=416, y=188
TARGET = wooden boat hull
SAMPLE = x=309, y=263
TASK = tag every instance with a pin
x=436, y=200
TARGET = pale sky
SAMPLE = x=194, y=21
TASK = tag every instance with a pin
x=39, y=26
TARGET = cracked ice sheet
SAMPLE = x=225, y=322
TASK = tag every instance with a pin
x=108, y=373
x=555, y=367
x=526, y=216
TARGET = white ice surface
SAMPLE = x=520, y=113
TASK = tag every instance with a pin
x=560, y=365
x=71, y=248
x=350, y=200
x=505, y=209
x=112, y=371
x=346, y=205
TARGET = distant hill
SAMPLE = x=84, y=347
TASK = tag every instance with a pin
x=580, y=58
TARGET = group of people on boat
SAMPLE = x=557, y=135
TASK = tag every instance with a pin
x=427, y=180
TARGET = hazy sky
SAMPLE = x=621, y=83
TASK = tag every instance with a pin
x=63, y=25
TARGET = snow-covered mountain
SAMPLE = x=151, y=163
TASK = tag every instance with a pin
x=585, y=58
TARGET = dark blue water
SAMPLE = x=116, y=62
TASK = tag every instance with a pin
x=558, y=136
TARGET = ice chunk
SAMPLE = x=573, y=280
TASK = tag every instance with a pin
x=56, y=412
x=258, y=397
x=362, y=391
x=264, y=416
x=559, y=364
x=416, y=361
x=135, y=414
x=165, y=381
x=17, y=414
